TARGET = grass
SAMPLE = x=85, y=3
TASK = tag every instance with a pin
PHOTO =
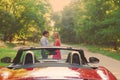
x=105, y=51
x=101, y=50
x=4, y=64
x=6, y=50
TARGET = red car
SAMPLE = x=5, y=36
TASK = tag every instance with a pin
x=30, y=65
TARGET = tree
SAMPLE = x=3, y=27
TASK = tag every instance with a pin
x=7, y=25
x=24, y=17
x=94, y=22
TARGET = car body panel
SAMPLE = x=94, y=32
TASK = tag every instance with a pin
x=56, y=73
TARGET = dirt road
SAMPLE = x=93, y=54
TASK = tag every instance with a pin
x=111, y=64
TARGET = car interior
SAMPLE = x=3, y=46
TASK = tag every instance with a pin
x=29, y=58
x=73, y=58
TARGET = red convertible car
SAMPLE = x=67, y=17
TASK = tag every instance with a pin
x=29, y=64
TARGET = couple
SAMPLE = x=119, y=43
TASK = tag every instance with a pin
x=44, y=42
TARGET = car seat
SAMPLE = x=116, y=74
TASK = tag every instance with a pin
x=29, y=58
x=74, y=58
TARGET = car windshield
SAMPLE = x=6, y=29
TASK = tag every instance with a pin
x=32, y=57
x=42, y=55
x=50, y=54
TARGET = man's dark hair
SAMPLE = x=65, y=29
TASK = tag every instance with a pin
x=45, y=32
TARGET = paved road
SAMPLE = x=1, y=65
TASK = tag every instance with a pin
x=111, y=64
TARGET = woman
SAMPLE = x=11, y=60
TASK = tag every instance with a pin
x=57, y=42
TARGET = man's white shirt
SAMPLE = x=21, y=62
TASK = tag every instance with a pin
x=44, y=41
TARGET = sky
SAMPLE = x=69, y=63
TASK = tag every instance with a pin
x=58, y=5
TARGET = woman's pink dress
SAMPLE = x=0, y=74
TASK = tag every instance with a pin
x=58, y=55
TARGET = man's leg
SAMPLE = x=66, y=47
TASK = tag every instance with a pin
x=44, y=55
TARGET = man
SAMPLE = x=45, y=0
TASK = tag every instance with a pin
x=44, y=42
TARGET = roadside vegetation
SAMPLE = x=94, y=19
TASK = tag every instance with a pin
x=93, y=22
x=6, y=50
x=10, y=50
x=23, y=20
x=107, y=51
x=115, y=54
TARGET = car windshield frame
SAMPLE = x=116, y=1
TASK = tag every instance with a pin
x=20, y=52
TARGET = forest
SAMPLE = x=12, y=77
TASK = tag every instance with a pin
x=94, y=22
x=23, y=19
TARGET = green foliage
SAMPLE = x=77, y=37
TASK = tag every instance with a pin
x=7, y=52
x=6, y=20
x=93, y=22
x=10, y=51
x=10, y=45
x=105, y=51
x=67, y=26
x=16, y=17
x=4, y=64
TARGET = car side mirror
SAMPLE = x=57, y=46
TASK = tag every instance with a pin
x=93, y=60
x=6, y=60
